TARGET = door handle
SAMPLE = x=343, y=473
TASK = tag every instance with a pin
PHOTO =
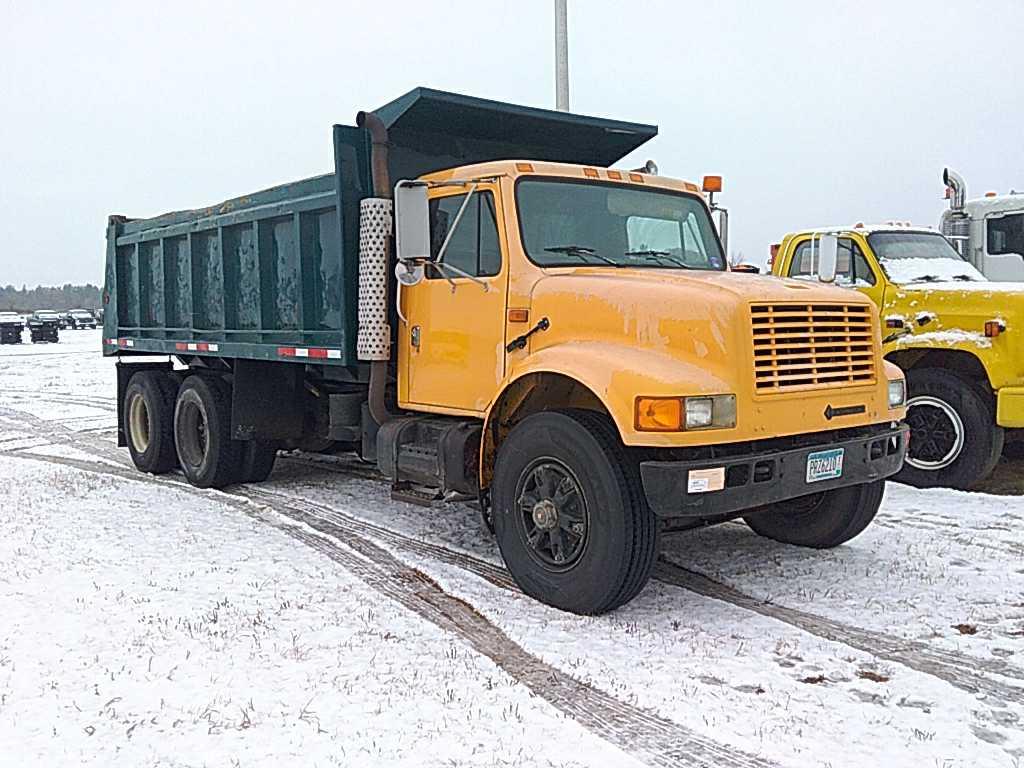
x=414, y=336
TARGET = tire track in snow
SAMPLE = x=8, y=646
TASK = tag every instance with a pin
x=61, y=399
x=638, y=732
x=968, y=673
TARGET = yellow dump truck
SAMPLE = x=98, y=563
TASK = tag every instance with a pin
x=950, y=329
x=559, y=342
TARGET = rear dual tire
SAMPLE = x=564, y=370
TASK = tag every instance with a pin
x=167, y=426
x=202, y=432
x=148, y=419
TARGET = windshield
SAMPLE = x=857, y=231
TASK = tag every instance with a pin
x=566, y=223
x=920, y=257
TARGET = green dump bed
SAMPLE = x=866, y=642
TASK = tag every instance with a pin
x=274, y=275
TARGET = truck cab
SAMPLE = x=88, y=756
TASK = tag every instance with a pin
x=987, y=231
x=479, y=302
x=949, y=328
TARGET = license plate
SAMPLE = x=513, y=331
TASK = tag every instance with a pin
x=825, y=465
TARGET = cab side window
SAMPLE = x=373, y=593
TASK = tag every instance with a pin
x=473, y=247
x=852, y=269
x=1005, y=234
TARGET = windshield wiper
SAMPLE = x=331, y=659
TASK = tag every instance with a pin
x=964, y=278
x=926, y=279
x=659, y=256
x=581, y=252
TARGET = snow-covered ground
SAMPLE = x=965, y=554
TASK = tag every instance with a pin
x=310, y=620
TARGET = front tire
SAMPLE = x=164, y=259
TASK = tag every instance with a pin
x=570, y=515
x=148, y=419
x=202, y=432
x=954, y=440
x=821, y=520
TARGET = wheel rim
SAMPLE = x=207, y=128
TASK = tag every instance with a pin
x=192, y=434
x=936, y=433
x=553, y=514
x=138, y=422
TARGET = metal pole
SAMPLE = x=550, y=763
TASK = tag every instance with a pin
x=561, y=57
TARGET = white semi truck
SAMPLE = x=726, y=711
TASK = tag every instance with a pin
x=987, y=231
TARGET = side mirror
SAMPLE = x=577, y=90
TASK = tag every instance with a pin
x=412, y=221
x=828, y=258
x=720, y=218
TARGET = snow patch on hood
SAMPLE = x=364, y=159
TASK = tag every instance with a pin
x=935, y=271
x=986, y=286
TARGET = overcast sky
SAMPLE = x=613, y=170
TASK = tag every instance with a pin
x=814, y=112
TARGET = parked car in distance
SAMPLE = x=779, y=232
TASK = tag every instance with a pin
x=11, y=326
x=81, y=318
x=43, y=325
x=951, y=330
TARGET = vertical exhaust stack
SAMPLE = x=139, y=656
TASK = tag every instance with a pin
x=953, y=180
x=956, y=224
x=373, y=342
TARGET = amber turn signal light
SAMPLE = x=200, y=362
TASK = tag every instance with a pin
x=659, y=414
x=993, y=328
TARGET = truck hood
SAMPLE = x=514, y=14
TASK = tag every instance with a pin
x=953, y=315
x=685, y=320
x=962, y=305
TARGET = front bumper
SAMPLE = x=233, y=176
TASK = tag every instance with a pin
x=769, y=476
x=1010, y=407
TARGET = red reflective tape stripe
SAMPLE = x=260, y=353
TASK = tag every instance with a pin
x=286, y=351
x=202, y=346
x=181, y=345
x=122, y=342
x=318, y=353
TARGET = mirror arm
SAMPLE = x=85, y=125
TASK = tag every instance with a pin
x=441, y=267
x=455, y=224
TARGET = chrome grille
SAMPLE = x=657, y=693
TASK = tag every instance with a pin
x=812, y=346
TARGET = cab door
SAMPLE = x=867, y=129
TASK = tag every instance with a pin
x=452, y=341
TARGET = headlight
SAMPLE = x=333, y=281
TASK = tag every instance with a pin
x=676, y=414
x=897, y=393
x=700, y=412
